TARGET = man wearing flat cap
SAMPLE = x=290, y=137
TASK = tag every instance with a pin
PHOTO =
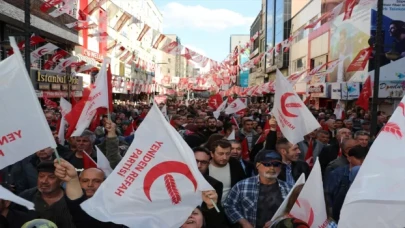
x=253, y=202
x=49, y=197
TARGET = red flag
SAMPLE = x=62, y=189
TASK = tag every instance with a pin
x=34, y=40
x=306, y=102
x=365, y=94
x=245, y=149
x=49, y=4
x=55, y=57
x=88, y=162
x=129, y=130
x=264, y=134
x=309, y=156
x=103, y=111
x=96, y=121
x=215, y=101
x=49, y=103
x=73, y=116
x=73, y=101
x=58, y=125
x=230, y=99
x=349, y=6
x=360, y=61
x=233, y=121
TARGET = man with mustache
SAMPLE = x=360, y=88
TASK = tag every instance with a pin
x=49, y=197
x=252, y=202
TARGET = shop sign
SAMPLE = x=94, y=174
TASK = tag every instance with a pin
x=350, y=90
x=49, y=80
x=391, y=89
x=336, y=93
x=57, y=94
x=92, y=54
x=318, y=90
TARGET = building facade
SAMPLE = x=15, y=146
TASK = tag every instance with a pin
x=52, y=30
x=237, y=40
x=256, y=74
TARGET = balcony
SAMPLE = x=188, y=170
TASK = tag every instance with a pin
x=12, y=12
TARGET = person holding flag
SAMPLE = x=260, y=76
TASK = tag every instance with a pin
x=86, y=142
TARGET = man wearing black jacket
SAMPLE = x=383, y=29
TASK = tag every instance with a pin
x=224, y=168
x=292, y=168
x=236, y=152
x=203, y=157
x=331, y=152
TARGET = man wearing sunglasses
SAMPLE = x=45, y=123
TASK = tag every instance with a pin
x=252, y=202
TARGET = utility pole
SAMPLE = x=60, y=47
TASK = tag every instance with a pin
x=378, y=51
x=69, y=76
x=27, y=28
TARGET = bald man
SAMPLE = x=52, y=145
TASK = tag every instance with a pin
x=90, y=179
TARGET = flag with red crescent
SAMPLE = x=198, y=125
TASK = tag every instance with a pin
x=159, y=171
x=376, y=194
x=293, y=117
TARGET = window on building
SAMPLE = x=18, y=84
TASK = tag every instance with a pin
x=169, y=60
x=168, y=71
x=318, y=61
x=300, y=35
x=300, y=63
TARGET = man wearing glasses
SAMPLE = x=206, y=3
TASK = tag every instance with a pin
x=252, y=202
x=203, y=157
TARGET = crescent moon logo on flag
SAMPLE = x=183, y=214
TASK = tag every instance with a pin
x=233, y=105
x=42, y=51
x=66, y=63
x=56, y=57
x=284, y=106
x=165, y=168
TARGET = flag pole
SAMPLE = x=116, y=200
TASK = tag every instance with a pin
x=57, y=155
x=215, y=205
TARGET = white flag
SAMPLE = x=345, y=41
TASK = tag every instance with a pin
x=103, y=163
x=65, y=108
x=24, y=129
x=310, y=205
x=235, y=106
x=376, y=197
x=98, y=98
x=283, y=206
x=157, y=184
x=338, y=110
x=63, y=63
x=232, y=135
x=5, y=194
x=293, y=125
x=220, y=108
x=39, y=52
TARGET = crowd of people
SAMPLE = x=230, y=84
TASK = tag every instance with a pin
x=251, y=177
